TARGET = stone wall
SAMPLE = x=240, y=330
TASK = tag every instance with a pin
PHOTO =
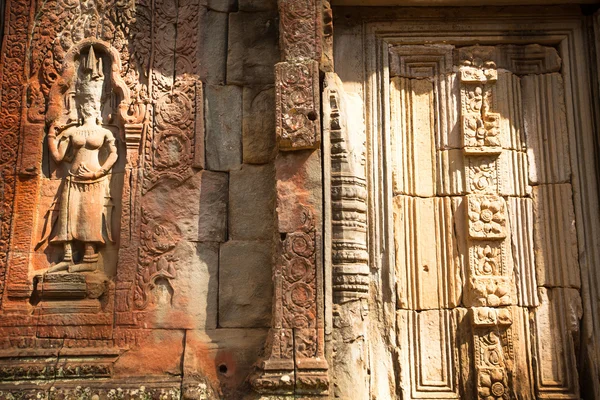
x=176, y=301
x=228, y=199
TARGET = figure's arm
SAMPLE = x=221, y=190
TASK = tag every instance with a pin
x=112, y=156
x=58, y=147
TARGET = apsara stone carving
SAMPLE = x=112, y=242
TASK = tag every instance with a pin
x=84, y=207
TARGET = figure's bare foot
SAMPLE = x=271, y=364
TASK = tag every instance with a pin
x=61, y=266
x=83, y=267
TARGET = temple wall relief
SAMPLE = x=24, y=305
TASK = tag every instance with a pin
x=474, y=160
x=139, y=197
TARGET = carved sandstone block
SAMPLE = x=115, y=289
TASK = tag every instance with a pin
x=251, y=203
x=520, y=212
x=481, y=134
x=203, y=214
x=513, y=174
x=223, y=138
x=555, y=236
x=555, y=328
x=545, y=122
x=297, y=105
x=506, y=101
x=245, y=284
x=258, y=124
x=427, y=264
x=482, y=174
x=487, y=217
x=428, y=341
x=528, y=59
x=450, y=170
x=435, y=63
x=412, y=137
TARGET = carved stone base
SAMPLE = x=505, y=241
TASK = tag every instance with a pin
x=71, y=286
x=68, y=293
x=274, y=377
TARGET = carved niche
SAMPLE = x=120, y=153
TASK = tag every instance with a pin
x=83, y=127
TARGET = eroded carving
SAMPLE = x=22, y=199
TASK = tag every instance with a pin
x=297, y=105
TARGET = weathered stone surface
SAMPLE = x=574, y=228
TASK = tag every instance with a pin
x=258, y=125
x=441, y=242
x=413, y=139
x=223, y=6
x=522, y=242
x=556, y=324
x=159, y=351
x=450, y=171
x=257, y=5
x=218, y=361
x=223, y=127
x=189, y=299
x=430, y=338
x=555, y=237
x=214, y=60
x=252, y=49
x=427, y=264
x=545, y=118
x=245, y=284
x=202, y=216
x=252, y=203
x=298, y=177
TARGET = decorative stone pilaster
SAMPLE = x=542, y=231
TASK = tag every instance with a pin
x=344, y=131
x=489, y=292
x=295, y=359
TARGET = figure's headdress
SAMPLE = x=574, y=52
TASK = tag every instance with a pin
x=90, y=80
x=93, y=66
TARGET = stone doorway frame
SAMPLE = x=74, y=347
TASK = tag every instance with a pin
x=560, y=27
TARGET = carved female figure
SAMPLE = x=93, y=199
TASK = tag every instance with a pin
x=84, y=204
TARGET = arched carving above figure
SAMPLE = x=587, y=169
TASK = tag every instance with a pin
x=118, y=93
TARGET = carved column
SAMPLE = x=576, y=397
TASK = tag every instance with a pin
x=295, y=358
x=12, y=75
x=344, y=129
x=490, y=288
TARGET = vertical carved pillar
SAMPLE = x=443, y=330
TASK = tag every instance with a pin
x=490, y=289
x=12, y=73
x=349, y=256
x=295, y=361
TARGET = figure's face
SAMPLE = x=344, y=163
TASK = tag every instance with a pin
x=89, y=109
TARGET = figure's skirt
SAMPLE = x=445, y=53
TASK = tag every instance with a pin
x=81, y=210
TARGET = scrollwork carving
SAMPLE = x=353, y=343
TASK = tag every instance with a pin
x=297, y=105
x=155, y=259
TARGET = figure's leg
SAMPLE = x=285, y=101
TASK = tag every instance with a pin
x=90, y=259
x=67, y=259
x=90, y=255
